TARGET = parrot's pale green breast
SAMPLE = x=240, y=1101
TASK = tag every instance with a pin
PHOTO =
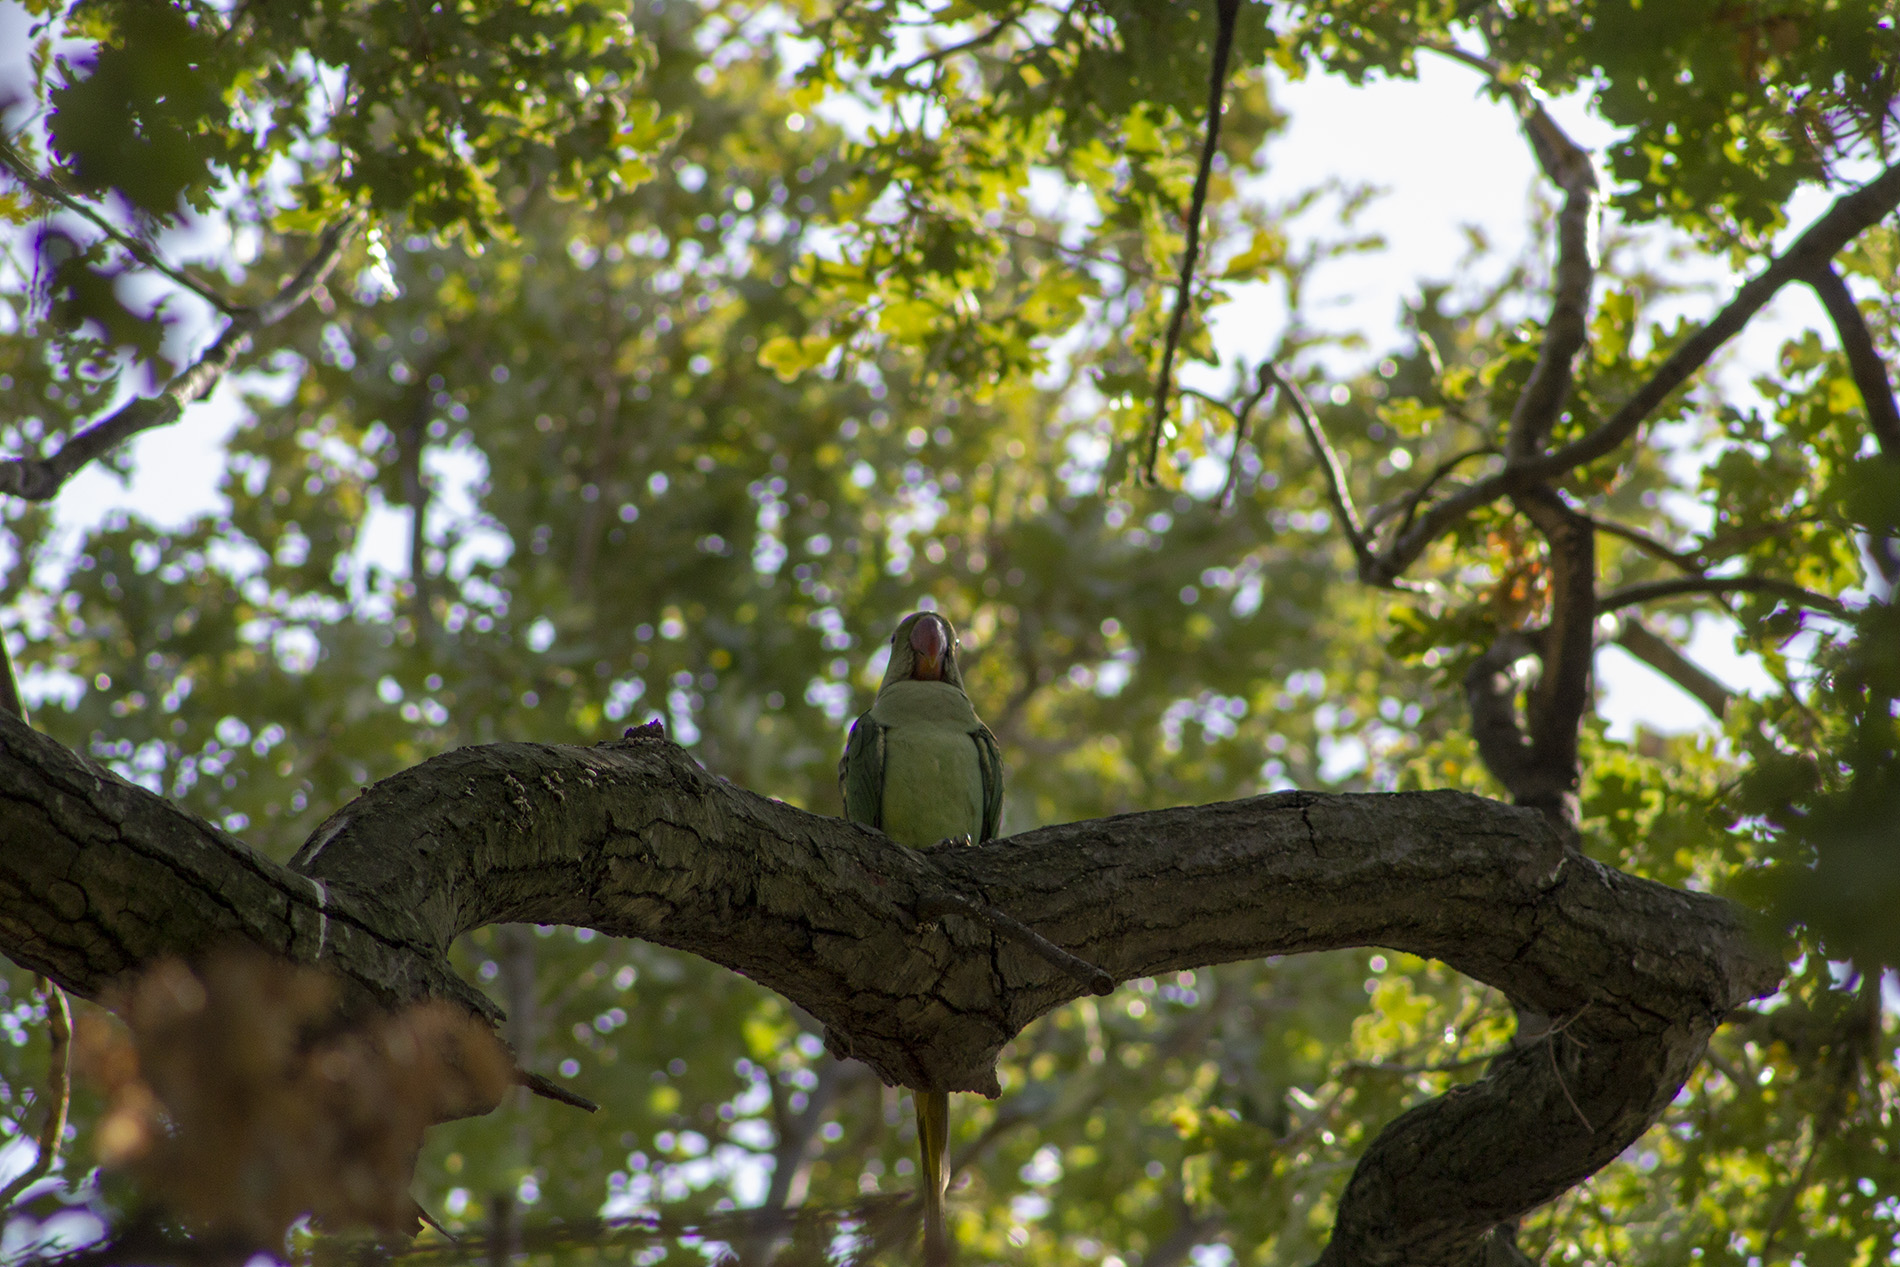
x=933, y=779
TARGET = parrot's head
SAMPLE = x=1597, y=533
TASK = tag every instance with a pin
x=924, y=649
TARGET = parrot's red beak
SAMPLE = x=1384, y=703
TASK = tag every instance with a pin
x=931, y=643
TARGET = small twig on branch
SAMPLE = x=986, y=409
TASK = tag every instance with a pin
x=1863, y=358
x=39, y=479
x=46, y=188
x=59, y=1026
x=1329, y=462
x=937, y=905
x=1227, y=13
x=549, y=1089
x=1549, y=1039
x=1650, y=591
x=1443, y=1066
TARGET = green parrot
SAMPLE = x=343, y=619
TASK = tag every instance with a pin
x=921, y=767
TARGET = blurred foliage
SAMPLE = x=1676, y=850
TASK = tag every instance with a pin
x=674, y=371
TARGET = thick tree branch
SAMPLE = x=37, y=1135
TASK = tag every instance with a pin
x=1562, y=693
x=1542, y=400
x=1491, y=696
x=1226, y=13
x=633, y=838
x=1675, y=587
x=40, y=479
x=1659, y=654
x=1846, y=219
x=1863, y=358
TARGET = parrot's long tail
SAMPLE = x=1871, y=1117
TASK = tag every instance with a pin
x=933, y=1139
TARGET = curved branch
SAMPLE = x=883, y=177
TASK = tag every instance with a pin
x=40, y=479
x=1328, y=458
x=635, y=839
x=1675, y=587
x=1863, y=358
x=1226, y=13
x=1844, y=221
x=1491, y=696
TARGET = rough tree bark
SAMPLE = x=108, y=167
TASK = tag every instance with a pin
x=634, y=839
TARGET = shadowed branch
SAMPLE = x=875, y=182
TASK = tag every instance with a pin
x=1863, y=358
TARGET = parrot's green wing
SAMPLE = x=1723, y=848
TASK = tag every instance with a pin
x=989, y=759
x=861, y=773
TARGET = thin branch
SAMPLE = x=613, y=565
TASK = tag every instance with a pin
x=1659, y=654
x=1647, y=544
x=59, y=1026
x=938, y=55
x=50, y=190
x=1243, y=417
x=1443, y=1066
x=1410, y=502
x=1226, y=13
x=1569, y=167
x=1329, y=462
x=1089, y=254
x=1845, y=220
x=40, y=479
x=1650, y=591
x=548, y=1089
x=1869, y=370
